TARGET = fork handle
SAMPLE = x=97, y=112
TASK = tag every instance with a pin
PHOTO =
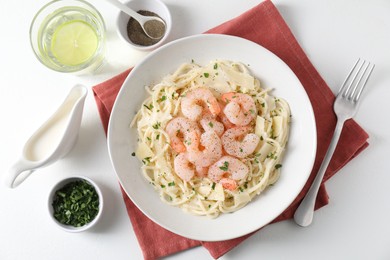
x=304, y=214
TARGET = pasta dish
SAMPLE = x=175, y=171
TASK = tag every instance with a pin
x=210, y=138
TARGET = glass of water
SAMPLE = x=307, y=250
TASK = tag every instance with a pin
x=69, y=36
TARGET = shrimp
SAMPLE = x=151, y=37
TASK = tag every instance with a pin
x=208, y=152
x=201, y=171
x=222, y=117
x=209, y=123
x=240, y=108
x=186, y=170
x=228, y=184
x=227, y=171
x=238, y=142
x=195, y=101
x=183, y=167
x=183, y=133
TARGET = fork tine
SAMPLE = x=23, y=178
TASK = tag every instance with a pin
x=344, y=87
x=348, y=92
x=363, y=85
x=356, y=84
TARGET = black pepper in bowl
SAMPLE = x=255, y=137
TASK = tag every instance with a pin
x=137, y=35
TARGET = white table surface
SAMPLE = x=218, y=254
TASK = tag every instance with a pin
x=355, y=225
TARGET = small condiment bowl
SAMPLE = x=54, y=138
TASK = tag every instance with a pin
x=62, y=183
x=155, y=6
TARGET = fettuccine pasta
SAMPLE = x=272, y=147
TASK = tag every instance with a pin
x=210, y=186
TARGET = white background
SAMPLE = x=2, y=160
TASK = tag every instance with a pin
x=355, y=225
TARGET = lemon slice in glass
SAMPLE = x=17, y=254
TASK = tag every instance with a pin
x=74, y=42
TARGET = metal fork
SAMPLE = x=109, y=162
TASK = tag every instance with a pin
x=345, y=107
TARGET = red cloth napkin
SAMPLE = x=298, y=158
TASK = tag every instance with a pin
x=264, y=25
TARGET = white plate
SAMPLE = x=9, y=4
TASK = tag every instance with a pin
x=272, y=72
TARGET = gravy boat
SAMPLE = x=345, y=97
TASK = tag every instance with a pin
x=53, y=140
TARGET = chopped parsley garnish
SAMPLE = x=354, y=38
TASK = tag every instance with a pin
x=277, y=166
x=211, y=124
x=206, y=75
x=213, y=186
x=216, y=66
x=76, y=204
x=146, y=160
x=163, y=98
x=272, y=156
x=162, y=186
x=156, y=125
x=225, y=166
x=150, y=107
x=171, y=184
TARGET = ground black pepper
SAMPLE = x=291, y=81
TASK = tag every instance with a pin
x=135, y=32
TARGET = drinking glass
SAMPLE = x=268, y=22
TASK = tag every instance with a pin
x=69, y=36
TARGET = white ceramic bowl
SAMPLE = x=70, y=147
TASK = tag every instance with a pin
x=61, y=184
x=155, y=6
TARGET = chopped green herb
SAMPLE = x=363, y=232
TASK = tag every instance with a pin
x=162, y=186
x=171, y=184
x=213, y=186
x=272, y=156
x=146, y=160
x=216, y=66
x=206, y=75
x=163, y=98
x=150, y=107
x=76, y=204
x=156, y=125
x=211, y=124
x=158, y=137
x=277, y=166
x=225, y=166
